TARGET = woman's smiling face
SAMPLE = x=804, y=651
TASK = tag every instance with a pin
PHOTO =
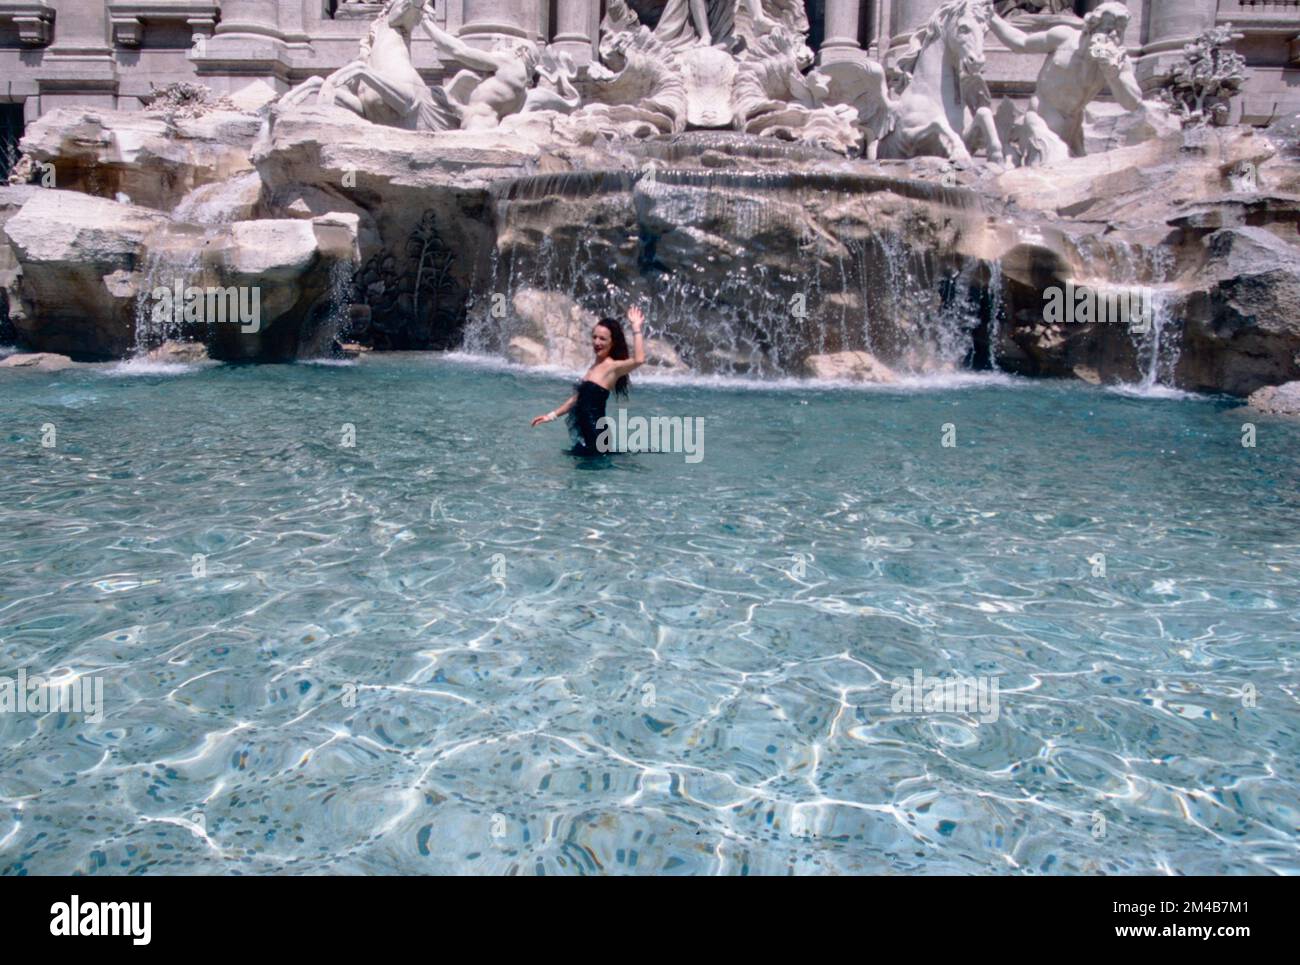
x=600, y=341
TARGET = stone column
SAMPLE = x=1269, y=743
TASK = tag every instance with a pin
x=78, y=69
x=880, y=20
x=575, y=29
x=842, y=25
x=1172, y=23
x=256, y=17
x=486, y=21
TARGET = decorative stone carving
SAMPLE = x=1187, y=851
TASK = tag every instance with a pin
x=639, y=88
x=554, y=91
x=1006, y=8
x=773, y=97
x=940, y=86
x=1082, y=61
x=1201, y=88
x=713, y=65
x=481, y=101
x=382, y=85
x=863, y=86
x=688, y=23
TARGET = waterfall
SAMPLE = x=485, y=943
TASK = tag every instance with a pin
x=1160, y=348
x=997, y=309
x=1140, y=275
x=159, y=319
x=742, y=271
x=176, y=258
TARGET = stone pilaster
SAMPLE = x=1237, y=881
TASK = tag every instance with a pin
x=842, y=26
x=248, y=44
x=78, y=69
x=576, y=28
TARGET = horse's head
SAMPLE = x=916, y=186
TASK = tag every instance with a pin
x=964, y=25
x=405, y=13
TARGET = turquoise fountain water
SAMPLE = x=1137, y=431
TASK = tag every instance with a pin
x=450, y=647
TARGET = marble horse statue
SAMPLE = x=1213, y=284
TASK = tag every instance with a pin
x=942, y=107
x=381, y=84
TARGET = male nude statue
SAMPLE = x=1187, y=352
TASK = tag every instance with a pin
x=1080, y=64
x=510, y=66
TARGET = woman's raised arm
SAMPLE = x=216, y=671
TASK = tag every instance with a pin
x=624, y=366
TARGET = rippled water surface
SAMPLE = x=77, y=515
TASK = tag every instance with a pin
x=453, y=648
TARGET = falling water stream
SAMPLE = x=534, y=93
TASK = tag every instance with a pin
x=789, y=288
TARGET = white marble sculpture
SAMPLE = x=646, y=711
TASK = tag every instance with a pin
x=554, y=91
x=382, y=85
x=863, y=86
x=1200, y=89
x=717, y=64
x=638, y=88
x=687, y=23
x=942, y=106
x=773, y=96
x=482, y=101
x=1082, y=61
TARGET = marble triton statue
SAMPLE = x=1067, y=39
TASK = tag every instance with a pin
x=1082, y=62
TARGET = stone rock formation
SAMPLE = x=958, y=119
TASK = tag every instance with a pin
x=848, y=367
x=151, y=160
x=1277, y=399
x=89, y=270
x=703, y=167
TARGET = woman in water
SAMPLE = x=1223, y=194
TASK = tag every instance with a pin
x=586, y=407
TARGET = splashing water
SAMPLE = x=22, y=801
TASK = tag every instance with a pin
x=697, y=248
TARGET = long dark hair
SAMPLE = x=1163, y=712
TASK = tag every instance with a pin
x=618, y=351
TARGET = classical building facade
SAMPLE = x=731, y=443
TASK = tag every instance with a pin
x=111, y=53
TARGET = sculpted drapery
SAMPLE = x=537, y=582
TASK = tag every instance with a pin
x=685, y=23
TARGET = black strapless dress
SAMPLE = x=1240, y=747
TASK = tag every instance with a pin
x=586, y=412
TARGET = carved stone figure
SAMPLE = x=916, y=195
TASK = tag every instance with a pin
x=686, y=23
x=1034, y=140
x=773, y=96
x=1082, y=61
x=939, y=75
x=482, y=101
x=382, y=85
x=863, y=86
x=638, y=88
